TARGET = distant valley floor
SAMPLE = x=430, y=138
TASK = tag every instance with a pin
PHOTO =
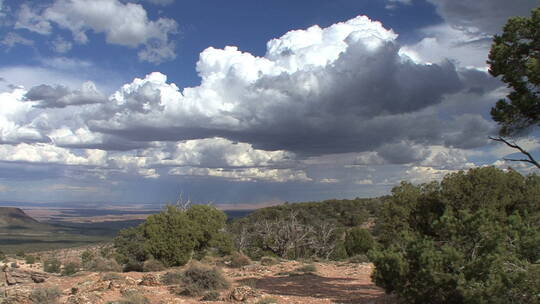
x=49, y=227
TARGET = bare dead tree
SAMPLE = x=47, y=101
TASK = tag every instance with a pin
x=323, y=240
x=182, y=204
x=242, y=239
x=530, y=159
x=284, y=235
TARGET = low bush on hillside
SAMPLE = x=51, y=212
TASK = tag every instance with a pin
x=107, y=252
x=340, y=252
x=52, y=265
x=172, y=277
x=358, y=241
x=87, y=256
x=135, y=266
x=268, y=261
x=100, y=264
x=29, y=259
x=238, y=260
x=71, y=268
x=223, y=243
x=173, y=236
x=152, y=265
x=471, y=238
x=198, y=279
x=45, y=295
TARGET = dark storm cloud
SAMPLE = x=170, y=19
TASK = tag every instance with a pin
x=60, y=96
x=108, y=143
x=401, y=153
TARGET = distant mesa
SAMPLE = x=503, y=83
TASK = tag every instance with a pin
x=14, y=219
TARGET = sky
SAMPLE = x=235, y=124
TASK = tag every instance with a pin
x=247, y=102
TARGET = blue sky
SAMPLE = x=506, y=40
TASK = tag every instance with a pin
x=244, y=101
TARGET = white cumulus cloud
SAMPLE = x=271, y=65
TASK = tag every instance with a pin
x=124, y=24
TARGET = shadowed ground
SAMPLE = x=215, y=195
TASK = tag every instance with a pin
x=338, y=290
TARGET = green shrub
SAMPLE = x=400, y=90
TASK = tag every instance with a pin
x=2, y=256
x=100, y=264
x=223, y=243
x=471, y=238
x=358, y=241
x=87, y=256
x=269, y=261
x=172, y=278
x=106, y=252
x=133, y=266
x=48, y=295
x=172, y=236
x=52, y=265
x=153, y=265
x=70, y=268
x=20, y=254
x=169, y=236
x=339, y=253
x=30, y=259
x=129, y=245
x=207, y=222
x=238, y=260
x=199, y=278
x=211, y=296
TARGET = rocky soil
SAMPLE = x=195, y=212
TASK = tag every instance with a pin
x=332, y=282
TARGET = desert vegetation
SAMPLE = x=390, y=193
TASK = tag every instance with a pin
x=471, y=238
x=304, y=230
x=173, y=237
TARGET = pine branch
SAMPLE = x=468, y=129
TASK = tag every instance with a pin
x=530, y=159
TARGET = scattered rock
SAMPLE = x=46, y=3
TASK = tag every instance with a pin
x=19, y=295
x=14, y=276
x=100, y=286
x=128, y=291
x=252, y=267
x=243, y=293
x=149, y=280
x=130, y=281
x=90, y=298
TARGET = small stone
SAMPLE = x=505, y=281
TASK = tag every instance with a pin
x=149, y=280
x=243, y=293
